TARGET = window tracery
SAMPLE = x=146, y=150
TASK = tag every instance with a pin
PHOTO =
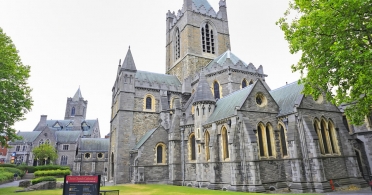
x=177, y=46
x=328, y=141
x=266, y=140
x=208, y=41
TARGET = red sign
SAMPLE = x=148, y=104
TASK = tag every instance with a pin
x=81, y=185
x=370, y=183
x=82, y=179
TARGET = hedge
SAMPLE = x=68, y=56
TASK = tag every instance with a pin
x=52, y=173
x=7, y=173
x=6, y=176
x=32, y=169
x=41, y=179
x=12, y=170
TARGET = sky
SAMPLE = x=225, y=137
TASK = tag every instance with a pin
x=78, y=43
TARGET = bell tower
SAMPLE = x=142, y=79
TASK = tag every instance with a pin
x=196, y=35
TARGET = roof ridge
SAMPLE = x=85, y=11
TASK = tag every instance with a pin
x=155, y=73
x=284, y=86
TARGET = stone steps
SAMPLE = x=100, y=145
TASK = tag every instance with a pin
x=29, y=176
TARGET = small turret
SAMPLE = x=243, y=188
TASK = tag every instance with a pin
x=203, y=92
x=128, y=63
x=223, y=10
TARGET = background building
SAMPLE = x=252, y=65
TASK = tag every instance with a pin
x=64, y=134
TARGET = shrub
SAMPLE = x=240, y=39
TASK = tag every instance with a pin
x=51, y=167
x=6, y=176
x=41, y=179
x=12, y=170
x=7, y=165
x=52, y=173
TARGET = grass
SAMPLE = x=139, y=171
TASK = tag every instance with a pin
x=137, y=190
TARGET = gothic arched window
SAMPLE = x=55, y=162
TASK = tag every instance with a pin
x=328, y=142
x=244, y=83
x=208, y=42
x=160, y=153
x=41, y=142
x=177, y=49
x=192, y=148
x=73, y=111
x=225, y=144
x=250, y=82
x=216, y=90
x=265, y=140
x=207, y=140
x=148, y=103
x=283, y=141
x=63, y=160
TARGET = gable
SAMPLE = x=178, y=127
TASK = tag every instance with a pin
x=152, y=137
x=260, y=100
x=320, y=103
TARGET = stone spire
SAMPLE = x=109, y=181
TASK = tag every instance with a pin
x=128, y=63
x=77, y=95
x=203, y=92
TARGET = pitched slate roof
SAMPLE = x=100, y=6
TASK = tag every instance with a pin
x=225, y=107
x=67, y=136
x=158, y=78
x=28, y=136
x=205, y=3
x=94, y=144
x=225, y=56
x=144, y=138
x=287, y=96
x=203, y=92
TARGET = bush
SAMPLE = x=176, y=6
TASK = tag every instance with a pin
x=12, y=170
x=51, y=167
x=6, y=176
x=41, y=179
x=7, y=173
x=52, y=173
x=7, y=165
x=32, y=169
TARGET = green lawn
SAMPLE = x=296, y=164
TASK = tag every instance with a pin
x=136, y=190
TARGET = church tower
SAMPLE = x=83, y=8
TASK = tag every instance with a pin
x=196, y=35
x=76, y=107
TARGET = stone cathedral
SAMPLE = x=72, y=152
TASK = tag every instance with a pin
x=211, y=121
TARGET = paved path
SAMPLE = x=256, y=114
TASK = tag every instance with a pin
x=10, y=184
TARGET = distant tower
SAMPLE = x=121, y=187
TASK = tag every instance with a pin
x=76, y=107
x=195, y=36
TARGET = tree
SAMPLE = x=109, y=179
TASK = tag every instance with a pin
x=15, y=99
x=45, y=152
x=335, y=39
